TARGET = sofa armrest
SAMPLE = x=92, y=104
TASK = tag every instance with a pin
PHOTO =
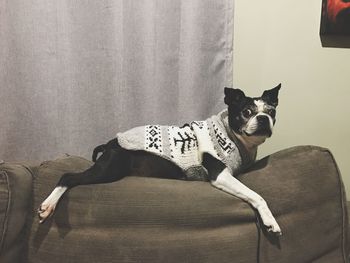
x=15, y=206
x=304, y=190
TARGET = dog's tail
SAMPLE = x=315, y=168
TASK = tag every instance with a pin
x=99, y=149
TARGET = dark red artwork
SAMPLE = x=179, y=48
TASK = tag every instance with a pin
x=335, y=17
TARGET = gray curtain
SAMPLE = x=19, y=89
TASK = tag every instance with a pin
x=74, y=73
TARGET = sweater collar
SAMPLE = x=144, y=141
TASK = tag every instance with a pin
x=247, y=159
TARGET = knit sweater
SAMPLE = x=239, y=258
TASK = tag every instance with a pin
x=186, y=145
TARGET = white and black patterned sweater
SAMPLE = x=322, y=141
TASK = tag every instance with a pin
x=185, y=145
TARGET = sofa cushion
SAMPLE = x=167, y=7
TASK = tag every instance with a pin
x=15, y=206
x=140, y=220
x=158, y=220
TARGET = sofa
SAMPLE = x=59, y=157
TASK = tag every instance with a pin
x=142, y=219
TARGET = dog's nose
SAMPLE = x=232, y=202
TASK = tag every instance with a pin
x=263, y=120
x=263, y=126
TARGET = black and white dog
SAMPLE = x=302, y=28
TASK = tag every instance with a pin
x=215, y=150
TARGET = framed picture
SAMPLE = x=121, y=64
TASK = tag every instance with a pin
x=335, y=22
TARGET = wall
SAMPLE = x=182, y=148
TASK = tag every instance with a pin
x=278, y=41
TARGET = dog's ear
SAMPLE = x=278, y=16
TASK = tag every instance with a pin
x=271, y=96
x=233, y=96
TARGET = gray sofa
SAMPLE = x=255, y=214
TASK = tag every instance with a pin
x=157, y=220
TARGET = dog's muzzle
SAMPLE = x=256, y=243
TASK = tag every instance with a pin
x=260, y=125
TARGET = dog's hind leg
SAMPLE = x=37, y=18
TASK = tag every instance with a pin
x=99, y=149
x=103, y=147
x=113, y=165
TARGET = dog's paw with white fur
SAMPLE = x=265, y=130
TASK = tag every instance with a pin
x=269, y=220
x=47, y=208
x=45, y=211
x=274, y=228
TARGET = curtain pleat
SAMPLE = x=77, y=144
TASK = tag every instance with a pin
x=74, y=73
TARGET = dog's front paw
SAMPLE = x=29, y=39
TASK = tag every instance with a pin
x=274, y=228
x=47, y=208
x=269, y=220
x=45, y=211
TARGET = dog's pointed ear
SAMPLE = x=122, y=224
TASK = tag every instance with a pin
x=233, y=96
x=271, y=96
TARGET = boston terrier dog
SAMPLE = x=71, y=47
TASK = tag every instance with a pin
x=215, y=150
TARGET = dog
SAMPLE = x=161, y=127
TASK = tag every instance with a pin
x=215, y=150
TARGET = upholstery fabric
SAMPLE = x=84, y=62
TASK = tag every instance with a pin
x=305, y=191
x=15, y=211
x=142, y=219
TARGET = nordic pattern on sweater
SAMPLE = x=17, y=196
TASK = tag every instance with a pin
x=186, y=145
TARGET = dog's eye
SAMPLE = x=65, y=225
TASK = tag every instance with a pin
x=247, y=113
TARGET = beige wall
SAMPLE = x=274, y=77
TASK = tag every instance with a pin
x=278, y=41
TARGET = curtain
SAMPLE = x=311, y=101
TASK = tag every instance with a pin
x=74, y=73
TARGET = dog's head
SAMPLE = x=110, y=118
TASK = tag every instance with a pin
x=252, y=116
